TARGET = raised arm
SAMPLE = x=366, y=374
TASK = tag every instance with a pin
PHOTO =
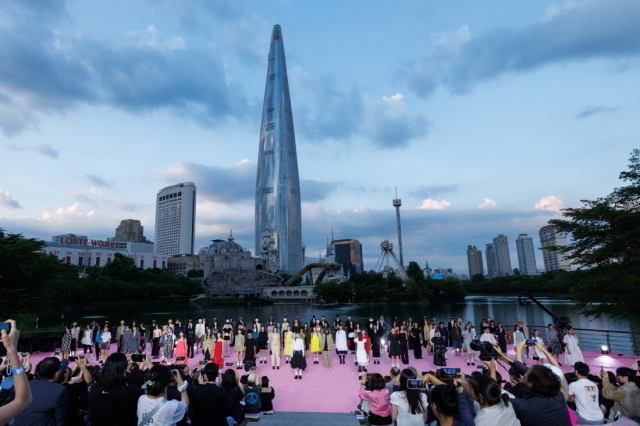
x=550, y=357
x=23, y=395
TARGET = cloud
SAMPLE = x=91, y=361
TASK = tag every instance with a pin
x=431, y=204
x=38, y=147
x=487, y=204
x=7, y=200
x=46, y=69
x=551, y=203
x=246, y=36
x=571, y=32
x=337, y=114
x=313, y=190
x=217, y=184
x=431, y=191
x=98, y=180
x=589, y=111
x=93, y=196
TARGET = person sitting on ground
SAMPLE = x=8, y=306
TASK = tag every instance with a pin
x=252, y=391
x=49, y=406
x=229, y=381
x=373, y=389
x=154, y=408
x=266, y=396
x=209, y=400
x=495, y=407
x=585, y=394
x=22, y=396
x=626, y=396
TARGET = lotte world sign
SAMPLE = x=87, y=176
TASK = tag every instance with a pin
x=94, y=243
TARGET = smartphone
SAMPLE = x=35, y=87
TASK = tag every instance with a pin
x=156, y=363
x=81, y=357
x=450, y=373
x=531, y=342
x=481, y=367
x=602, y=368
x=25, y=353
x=414, y=384
x=57, y=353
x=5, y=326
x=369, y=376
x=73, y=358
x=203, y=362
x=138, y=357
x=180, y=358
x=253, y=368
x=229, y=364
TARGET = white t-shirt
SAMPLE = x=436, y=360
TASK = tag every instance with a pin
x=405, y=418
x=488, y=337
x=105, y=337
x=170, y=413
x=586, y=395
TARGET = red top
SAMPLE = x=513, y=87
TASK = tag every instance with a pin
x=367, y=343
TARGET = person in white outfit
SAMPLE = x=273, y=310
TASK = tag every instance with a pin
x=488, y=337
x=573, y=353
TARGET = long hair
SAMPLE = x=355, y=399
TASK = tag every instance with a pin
x=445, y=398
x=414, y=398
x=113, y=370
x=158, y=378
x=489, y=389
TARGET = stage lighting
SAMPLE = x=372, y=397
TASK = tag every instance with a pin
x=382, y=342
x=604, y=349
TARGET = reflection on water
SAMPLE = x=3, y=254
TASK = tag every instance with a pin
x=503, y=309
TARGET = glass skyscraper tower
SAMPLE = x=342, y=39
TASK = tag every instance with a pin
x=277, y=183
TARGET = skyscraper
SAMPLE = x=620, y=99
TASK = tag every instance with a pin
x=277, y=183
x=349, y=254
x=474, y=259
x=503, y=258
x=526, y=255
x=176, y=219
x=549, y=236
x=492, y=261
x=130, y=230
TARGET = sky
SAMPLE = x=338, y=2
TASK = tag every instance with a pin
x=488, y=117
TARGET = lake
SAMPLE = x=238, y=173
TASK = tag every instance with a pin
x=505, y=309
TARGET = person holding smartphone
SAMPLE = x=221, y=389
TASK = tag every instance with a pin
x=23, y=396
x=372, y=389
x=408, y=406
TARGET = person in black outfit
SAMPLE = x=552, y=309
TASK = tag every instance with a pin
x=444, y=332
x=350, y=327
x=191, y=338
x=404, y=344
x=416, y=334
x=501, y=334
x=111, y=400
x=394, y=347
x=449, y=336
x=209, y=400
x=229, y=381
x=249, y=351
x=337, y=322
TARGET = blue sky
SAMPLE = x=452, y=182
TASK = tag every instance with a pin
x=489, y=117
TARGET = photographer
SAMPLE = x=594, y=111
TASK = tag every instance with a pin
x=543, y=403
x=154, y=408
x=23, y=397
x=495, y=408
x=373, y=389
x=408, y=405
x=451, y=408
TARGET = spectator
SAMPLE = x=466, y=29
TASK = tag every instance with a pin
x=449, y=407
x=77, y=388
x=266, y=396
x=373, y=390
x=626, y=396
x=111, y=400
x=234, y=395
x=49, y=406
x=408, y=406
x=21, y=389
x=584, y=393
x=209, y=400
x=392, y=384
x=252, y=391
x=154, y=408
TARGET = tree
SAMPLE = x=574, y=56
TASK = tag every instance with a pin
x=606, y=244
x=195, y=273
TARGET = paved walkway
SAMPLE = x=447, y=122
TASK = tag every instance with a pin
x=308, y=419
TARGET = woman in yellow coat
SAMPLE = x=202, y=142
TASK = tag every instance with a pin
x=315, y=344
x=288, y=344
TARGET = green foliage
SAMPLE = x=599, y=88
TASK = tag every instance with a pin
x=195, y=273
x=34, y=282
x=553, y=282
x=606, y=239
x=334, y=291
x=450, y=288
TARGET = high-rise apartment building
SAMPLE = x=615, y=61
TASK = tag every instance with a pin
x=549, y=236
x=503, y=258
x=492, y=261
x=474, y=259
x=349, y=254
x=526, y=255
x=130, y=230
x=176, y=219
x=278, y=209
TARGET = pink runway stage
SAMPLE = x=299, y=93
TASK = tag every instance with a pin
x=336, y=391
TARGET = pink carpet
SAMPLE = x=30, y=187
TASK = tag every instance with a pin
x=336, y=391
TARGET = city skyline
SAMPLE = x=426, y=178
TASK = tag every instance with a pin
x=484, y=122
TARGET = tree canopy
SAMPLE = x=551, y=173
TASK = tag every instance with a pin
x=606, y=246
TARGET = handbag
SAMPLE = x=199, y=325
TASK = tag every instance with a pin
x=149, y=416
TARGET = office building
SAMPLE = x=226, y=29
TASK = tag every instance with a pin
x=526, y=255
x=130, y=230
x=278, y=209
x=492, y=261
x=176, y=219
x=553, y=261
x=474, y=259
x=503, y=258
x=348, y=253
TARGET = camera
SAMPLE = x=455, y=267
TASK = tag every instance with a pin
x=415, y=384
x=450, y=373
x=531, y=342
x=180, y=358
x=138, y=357
x=487, y=352
x=75, y=358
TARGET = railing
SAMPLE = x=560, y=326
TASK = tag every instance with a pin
x=38, y=341
x=622, y=342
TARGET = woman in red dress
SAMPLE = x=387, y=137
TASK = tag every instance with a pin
x=218, y=346
x=181, y=346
